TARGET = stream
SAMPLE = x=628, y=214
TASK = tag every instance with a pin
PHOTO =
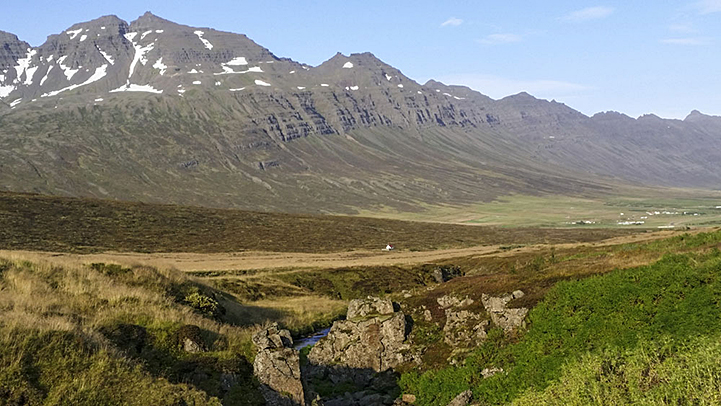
x=311, y=340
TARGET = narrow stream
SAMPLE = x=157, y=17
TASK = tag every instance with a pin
x=306, y=341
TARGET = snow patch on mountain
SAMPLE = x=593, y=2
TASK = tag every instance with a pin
x=69, y=73
x=83, y=38
x=160, y=66
x=203, y=40
x=140, y=52
x=136, y=88
x=348, y=65
x=239, y=60
x=237, y=90
x=23, y=65
x=261, y=83
x=106, y=56
x=15, y=103
x=74, y=33
x=99, y=74
x=145, y=34
x=46, y=75
x=6, y=90
x=228, y=70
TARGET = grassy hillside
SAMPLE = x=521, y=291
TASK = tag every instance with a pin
x=640, y=335
x=44, y=223
x=104, y=334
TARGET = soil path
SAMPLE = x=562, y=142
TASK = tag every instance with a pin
x=274, y=260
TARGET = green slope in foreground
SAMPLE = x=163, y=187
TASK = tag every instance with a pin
x=646, y=335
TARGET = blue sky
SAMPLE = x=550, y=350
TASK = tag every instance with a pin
x=636, y=57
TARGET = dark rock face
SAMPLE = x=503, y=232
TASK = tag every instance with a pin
x=277, y=367
x=11, y=49
x=445, y=273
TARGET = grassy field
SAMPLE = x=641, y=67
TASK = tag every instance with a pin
x=569, y=212
x=44, y=223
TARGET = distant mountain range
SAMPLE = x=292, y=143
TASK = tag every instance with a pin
x=162, y=112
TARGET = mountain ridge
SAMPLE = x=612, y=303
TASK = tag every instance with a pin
x=200, y=116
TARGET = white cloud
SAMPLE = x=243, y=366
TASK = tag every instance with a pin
x=686, y=41
x=498, y=87
x=495, y=39
x=682, y=28
x=586, y=14
x=453, y=21
x=708, y=6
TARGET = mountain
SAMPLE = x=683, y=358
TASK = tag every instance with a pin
x=161, y=112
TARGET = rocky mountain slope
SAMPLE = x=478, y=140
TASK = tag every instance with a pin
x=157, y=111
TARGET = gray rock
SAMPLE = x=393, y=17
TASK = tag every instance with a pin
x=190, y=345
x=368, y=307
x=272, y=337
x=489, y=372
x=453, y=301
x=445, y=273
x=377, y=344
x=463, y=399
x=464, y=328
x=277, y=367
x=507, y=319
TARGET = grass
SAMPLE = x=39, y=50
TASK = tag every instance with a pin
x=106, y=334
x=44, y=223
x=625, y=325
x=561, y=211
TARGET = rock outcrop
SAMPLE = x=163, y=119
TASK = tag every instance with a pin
x=372, y=338
x=463, y=328
x=277, y=367
x=507, y=319
x=463, y=399
x=445, y=273
x=369, y=306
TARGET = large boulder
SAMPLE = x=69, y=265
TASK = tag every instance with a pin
x=277, y=367
x=368, y=307
x=507, y=319
x=376, y=343
x=364, y=348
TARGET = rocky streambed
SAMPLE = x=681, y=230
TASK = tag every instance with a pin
x=354, y=361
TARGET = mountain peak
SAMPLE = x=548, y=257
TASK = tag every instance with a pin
x=695, y=115
x=150, y=20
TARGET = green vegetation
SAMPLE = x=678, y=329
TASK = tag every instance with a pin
x=625, y=337
x=573, y=212
x=106, y=334
x=43, y=223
